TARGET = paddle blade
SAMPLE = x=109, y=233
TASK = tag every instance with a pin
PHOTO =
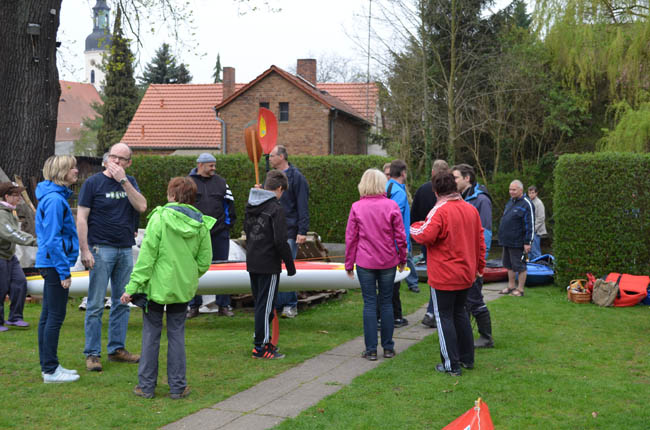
x=253, y=146
x=267, y=129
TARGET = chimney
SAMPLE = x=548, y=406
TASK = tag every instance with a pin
x=307, y=70
x=228, y=82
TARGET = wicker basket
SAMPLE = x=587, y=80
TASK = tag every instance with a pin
x=575, y=297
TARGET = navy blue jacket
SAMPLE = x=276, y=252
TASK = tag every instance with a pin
x=423, y=201
x=295, y=203
x=517, y=225
x=477, y=196
x=214, y=198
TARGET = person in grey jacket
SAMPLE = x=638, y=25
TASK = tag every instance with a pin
x=540, y=225
x=12, y=278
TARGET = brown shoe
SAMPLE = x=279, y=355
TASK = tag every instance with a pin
x=138, y=392
x=226, y=311
x=93, y=364
x=192, y=313
x=124, y=356
x=185, y=393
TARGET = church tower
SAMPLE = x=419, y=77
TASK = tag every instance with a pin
x=98, y=43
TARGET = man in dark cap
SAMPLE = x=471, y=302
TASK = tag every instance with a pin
x=214, y=198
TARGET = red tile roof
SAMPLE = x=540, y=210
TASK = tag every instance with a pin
x=177, y=116
x=361, y=96
x=74, y=105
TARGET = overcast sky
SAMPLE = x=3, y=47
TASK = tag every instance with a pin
x=251, y=41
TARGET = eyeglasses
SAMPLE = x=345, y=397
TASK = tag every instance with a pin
x=118, y=158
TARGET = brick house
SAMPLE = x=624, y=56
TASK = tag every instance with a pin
x=315, y=120
x=75, y=105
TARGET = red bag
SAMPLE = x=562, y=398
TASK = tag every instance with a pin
x=631, y=289
x=477, y=418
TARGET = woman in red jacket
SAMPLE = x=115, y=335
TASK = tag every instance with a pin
x=453, y=235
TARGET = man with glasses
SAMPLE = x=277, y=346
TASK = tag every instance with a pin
x=107, y=218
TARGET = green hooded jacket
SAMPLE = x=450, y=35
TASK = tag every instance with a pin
x=10, y=234
x=175, y=253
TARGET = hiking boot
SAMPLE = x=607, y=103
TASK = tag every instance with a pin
x=17, y=323
x=267, y=352
x=401, y=322
x=59, y=377
x=369, y=355
x=484, y=342
x=441, y=368
x=289, y=312
x=192, y=313
x=138, y=392
x=389, y=353
x=414, y=288
x=123, y=356
x=429, y=321
x=93, y=364
x=226, y=311
x=185, y=393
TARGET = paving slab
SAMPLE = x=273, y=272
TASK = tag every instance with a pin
x=286, y=395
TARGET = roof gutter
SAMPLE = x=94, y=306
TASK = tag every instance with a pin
x=223, y=129
x=335, y=113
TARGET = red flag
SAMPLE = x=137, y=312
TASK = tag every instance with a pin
x=477, y=418
x=267, y=129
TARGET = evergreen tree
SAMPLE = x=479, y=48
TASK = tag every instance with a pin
x=120, y=93
x=163, y=69
x=217, y=70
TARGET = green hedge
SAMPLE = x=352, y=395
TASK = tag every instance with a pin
x=332, y=181
x=602, y=215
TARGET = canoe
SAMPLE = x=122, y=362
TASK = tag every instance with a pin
x=231, y=277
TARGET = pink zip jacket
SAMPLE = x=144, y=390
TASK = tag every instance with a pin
x=375, y=237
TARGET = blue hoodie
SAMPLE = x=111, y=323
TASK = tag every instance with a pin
x=477, y=196
x=58, y=245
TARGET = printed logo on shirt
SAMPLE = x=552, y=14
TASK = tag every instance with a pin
x=116, y=195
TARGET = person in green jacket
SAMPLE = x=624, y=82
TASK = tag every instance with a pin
x=175, y=253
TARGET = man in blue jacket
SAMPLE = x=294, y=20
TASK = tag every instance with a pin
x=396, y=190
x=516, y=232
x=295, y=203
x=476, y=195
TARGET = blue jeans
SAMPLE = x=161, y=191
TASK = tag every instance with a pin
x=53, y=309
x=535, y=248
x=412, y=278
x=114, y=264
x=12, y=280
x=377, y=285
x=289, y=298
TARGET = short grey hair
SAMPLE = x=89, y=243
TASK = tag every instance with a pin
x=518, y=183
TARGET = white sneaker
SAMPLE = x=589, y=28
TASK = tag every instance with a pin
x=64, y=370
x=107, y=303
x=210, y=308
x=59, y=377
x=84, y=304
x=289, y=312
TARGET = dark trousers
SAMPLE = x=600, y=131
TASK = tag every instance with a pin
x=454, y=329
x=265, y=293
x=53, y=309
x=220, y=251
x=397, y=302
x=152, y=324
x=12, y=281
x=475, y=304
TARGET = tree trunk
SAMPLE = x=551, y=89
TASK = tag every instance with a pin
x=29, y=85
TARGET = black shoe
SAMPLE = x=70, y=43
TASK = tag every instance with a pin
x=441, y=368
x=429, y=321
x=267, y=352
x=414, y=289
x=369, y=355
x=468, y=366
x=192, y=313
x=389, y=353
x=484, y=342
x=401, y=322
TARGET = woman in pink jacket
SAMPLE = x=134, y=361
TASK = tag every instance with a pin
x=375, y=240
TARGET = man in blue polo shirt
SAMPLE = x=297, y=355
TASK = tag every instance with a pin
x=107, y=218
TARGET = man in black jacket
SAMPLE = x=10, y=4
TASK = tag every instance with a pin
x=516, y=232
x=266, y=247
x=214, y=198
x=295, y=204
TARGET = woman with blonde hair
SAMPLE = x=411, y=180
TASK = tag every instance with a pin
x=376, y=241
x=58, y=248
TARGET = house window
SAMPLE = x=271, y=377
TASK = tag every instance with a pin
x=265, y=105
x=284, y=111
x=92, y=76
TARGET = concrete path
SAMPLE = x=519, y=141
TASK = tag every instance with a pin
x=286, y=395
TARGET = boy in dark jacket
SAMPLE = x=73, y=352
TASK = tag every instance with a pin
x=266, y=247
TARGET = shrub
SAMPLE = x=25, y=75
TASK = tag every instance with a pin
x=332, y=184
x=602, y=214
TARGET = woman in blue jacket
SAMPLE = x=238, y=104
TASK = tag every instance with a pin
x=58, y=248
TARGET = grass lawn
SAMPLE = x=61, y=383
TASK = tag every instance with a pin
x=557, y=365
x=218, y=365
